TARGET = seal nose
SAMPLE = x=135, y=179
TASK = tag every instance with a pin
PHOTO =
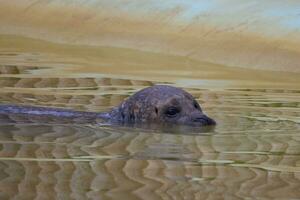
x=203, y=120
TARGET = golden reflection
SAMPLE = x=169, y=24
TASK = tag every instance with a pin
x=110, y=163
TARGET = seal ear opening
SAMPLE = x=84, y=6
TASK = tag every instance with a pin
x=156, y=110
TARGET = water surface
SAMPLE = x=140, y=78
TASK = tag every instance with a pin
x=253, y=152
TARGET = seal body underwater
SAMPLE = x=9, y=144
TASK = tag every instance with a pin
x=159, y=104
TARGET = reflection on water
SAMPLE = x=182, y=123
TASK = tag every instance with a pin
x=253, y=152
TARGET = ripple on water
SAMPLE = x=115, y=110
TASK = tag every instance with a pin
x=252, y=153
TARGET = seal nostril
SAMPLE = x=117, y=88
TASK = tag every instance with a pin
x=211, y=121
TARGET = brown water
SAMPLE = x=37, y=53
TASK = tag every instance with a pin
x=254, y=152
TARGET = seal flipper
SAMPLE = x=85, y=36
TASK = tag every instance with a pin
x=105, y=115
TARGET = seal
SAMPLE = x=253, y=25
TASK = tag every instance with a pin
x=159, y=104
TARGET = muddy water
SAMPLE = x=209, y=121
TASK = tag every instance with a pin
x=253, y=152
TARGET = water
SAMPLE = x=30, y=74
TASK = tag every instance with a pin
x=253, y=152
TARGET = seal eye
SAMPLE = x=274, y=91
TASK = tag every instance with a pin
x=196, y=105
x=172, y=111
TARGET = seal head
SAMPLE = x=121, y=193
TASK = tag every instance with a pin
x=161, y=104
